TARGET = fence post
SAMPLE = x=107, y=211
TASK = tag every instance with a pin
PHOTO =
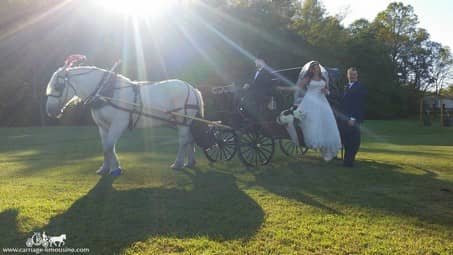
x=421, y=111
x=442, y=115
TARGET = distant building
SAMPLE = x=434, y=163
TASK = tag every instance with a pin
x=435, y=103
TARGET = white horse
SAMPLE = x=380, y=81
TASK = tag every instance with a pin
x=80, y=84
x=57, y=241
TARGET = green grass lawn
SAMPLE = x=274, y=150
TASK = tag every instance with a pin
x=398, y=200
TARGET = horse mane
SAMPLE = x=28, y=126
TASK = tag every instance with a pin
x=120, y=76
x=95, y=68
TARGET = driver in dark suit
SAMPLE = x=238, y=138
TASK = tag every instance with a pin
x=259, y=92
x=262, y=79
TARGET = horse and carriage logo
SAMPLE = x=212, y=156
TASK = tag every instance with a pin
x=45, y=241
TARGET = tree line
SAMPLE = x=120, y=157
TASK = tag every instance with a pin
x=212, y=43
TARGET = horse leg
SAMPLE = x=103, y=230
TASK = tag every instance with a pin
x=183, y=140
x=105, y=165
x=114, y=133
x=191, y=162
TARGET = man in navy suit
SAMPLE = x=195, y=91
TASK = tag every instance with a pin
x=351, y=116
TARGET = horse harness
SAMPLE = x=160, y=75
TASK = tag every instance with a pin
x=103, y=95
x=107, y=85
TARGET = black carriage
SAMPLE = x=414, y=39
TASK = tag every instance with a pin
x=251, y=129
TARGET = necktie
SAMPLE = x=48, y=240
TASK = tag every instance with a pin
x=256, y=74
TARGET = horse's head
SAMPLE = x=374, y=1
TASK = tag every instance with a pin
x=70, y=84
x=59, y=92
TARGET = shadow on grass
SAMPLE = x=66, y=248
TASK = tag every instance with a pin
x=38, y=150
x=108, y=220
x=9, y=229
x=373, y=185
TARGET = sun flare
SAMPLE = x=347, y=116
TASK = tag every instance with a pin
x=138, y=8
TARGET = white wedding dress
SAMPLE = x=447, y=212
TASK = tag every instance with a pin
x=318, y=122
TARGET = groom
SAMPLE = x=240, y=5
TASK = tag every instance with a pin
x=351, y=116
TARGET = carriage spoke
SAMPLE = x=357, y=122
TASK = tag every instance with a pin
x=254, y=148
x=267, y=158
x=228, y=138
x=248, y=156
x=252, y=137
x=225, y=148
x=224, y=153
x=263, y=159
x=258, y=156
x=217, y=152
x=256, y=159
x=232, y=142
x=249, y=139
x=291, y=149
x=266, y=149
x=228, y=149
x=231, y=151
x=213, y=154
x=248, y=151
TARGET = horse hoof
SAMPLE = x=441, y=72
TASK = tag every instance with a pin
x=190, y=165
x=102, y=171
x=116, y=172
x=176, y=167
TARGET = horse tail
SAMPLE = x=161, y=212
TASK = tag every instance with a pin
x=200, y=101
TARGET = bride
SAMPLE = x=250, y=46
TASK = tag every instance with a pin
x=314, y=112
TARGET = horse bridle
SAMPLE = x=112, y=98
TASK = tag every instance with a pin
x=62, y=82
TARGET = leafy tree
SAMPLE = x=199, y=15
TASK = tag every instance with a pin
x=419, y=64
x=442, y=70
x=448, y=91
x=359, y=26
x=396, y=27
x=371, y=57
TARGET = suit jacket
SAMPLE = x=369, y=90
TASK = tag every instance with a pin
x=262, y=83
x=353, y=102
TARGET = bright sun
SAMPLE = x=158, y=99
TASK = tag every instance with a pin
x=138, y=8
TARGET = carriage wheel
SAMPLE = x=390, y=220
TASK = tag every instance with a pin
x=255, y=149
x=224, y=148
x=291, y=149
x=45, y=244
x=29, y=242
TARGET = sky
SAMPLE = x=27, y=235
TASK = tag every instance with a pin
x=436, y=16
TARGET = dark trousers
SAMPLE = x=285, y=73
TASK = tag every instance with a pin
x=256, y=107
x=350, y=137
